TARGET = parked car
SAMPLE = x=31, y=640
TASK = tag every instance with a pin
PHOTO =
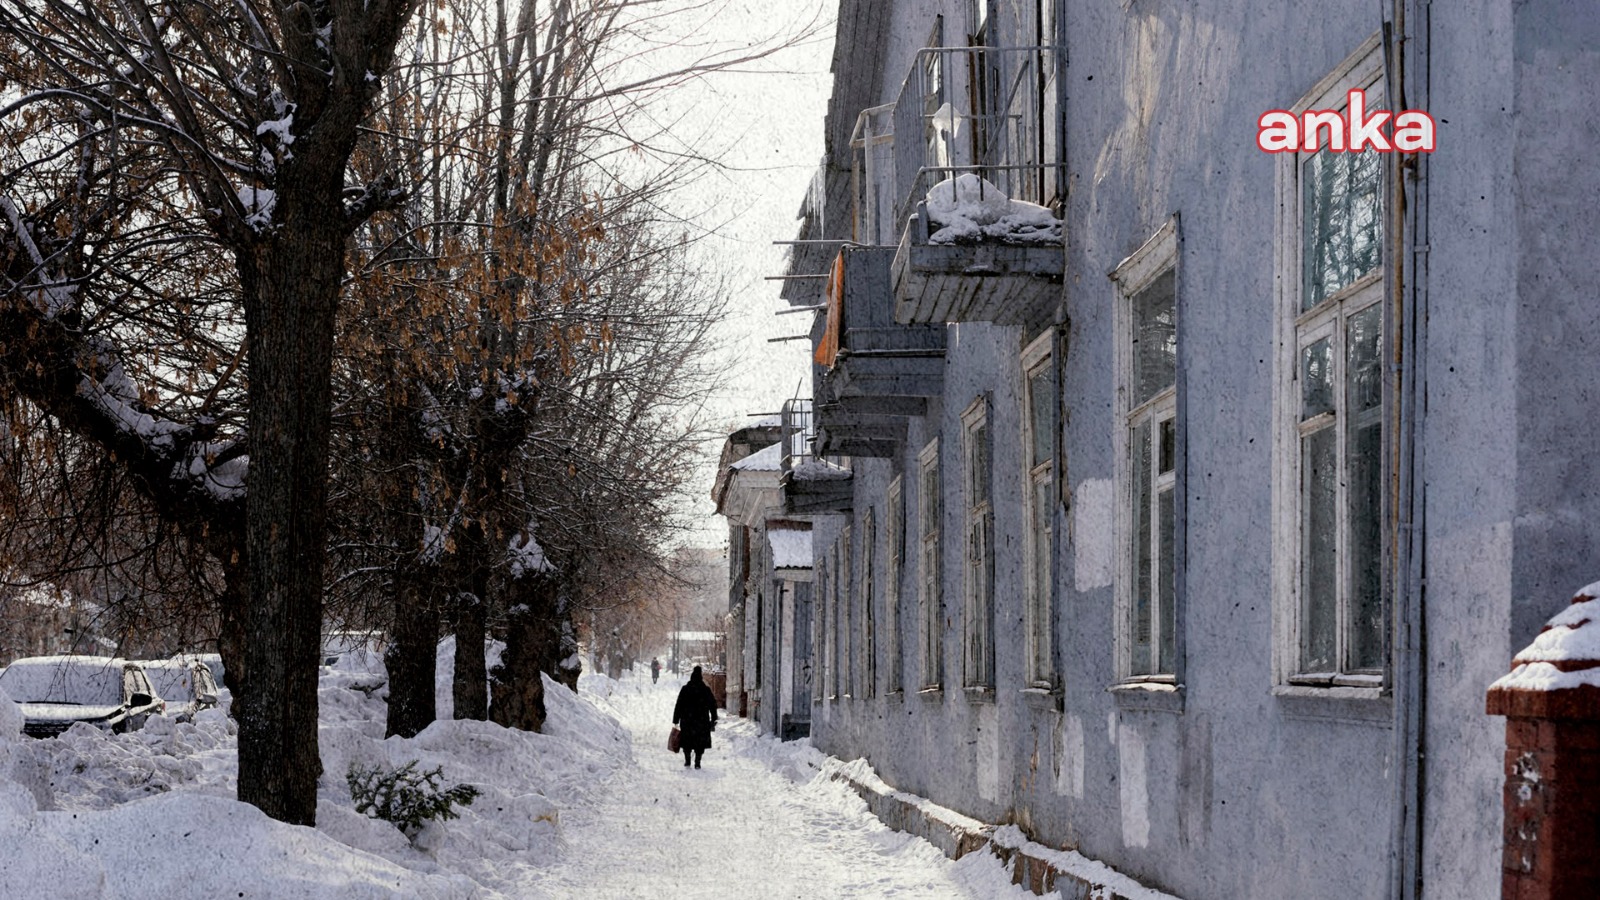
x=54, y=692
x=213, y=662
x=357, y=648
x=185, y=683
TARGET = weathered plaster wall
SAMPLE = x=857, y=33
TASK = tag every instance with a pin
x=1469, y=441
x=1163, y=101
x=1244, y=792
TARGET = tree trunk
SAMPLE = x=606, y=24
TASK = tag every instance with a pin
x=291, y=281
x=471, y=683
x=232, y=627
x=412, y=657
x=532, y=633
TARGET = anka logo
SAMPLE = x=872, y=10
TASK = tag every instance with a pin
x=1352, y=129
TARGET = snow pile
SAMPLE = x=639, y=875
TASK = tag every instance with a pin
x=1104, y=880
x=89, y=769
x=1566, y=654
x=968, y=208
x=152, y=813
x=819, y=470
x=37, y=861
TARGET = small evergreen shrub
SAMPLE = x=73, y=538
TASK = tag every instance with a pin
x=405, y=796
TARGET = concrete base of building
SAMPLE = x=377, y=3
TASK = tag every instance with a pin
x=1068, y=874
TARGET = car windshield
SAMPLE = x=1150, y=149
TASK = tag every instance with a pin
x=88, y=683
x=171, y=680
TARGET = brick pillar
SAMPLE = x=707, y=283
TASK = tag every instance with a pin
x=1551, y=701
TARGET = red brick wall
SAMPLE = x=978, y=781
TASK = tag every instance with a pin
x=1552, y=793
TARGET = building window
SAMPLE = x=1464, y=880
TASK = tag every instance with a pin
x=824, y=644
x=978, y=613
x=895, y=529
x=1039, y=418
x=847, y=597
x=928, y=490
x=836, y=583
x=1147, y=313
x=1330, y=390
x=869, y=637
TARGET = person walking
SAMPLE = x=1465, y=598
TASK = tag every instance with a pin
x=696, y=717
x=655, y=669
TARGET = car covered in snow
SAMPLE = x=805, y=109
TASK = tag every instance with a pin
x=185, y=683
x=55, y=692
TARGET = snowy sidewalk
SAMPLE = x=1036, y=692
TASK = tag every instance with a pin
x=752, y=823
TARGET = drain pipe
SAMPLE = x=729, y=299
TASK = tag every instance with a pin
x=1406, y=71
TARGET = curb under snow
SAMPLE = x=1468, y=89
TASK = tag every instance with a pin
x=1033, y=865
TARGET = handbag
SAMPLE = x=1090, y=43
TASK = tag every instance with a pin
x=672, y=740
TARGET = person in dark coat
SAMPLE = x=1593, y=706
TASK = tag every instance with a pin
x=695, y=715
x=655, y=670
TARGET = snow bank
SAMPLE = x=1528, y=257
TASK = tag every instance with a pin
x=152, y=813
x=968, y=208
x=195, y=845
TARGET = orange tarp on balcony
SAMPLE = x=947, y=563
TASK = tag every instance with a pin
x=828, y=347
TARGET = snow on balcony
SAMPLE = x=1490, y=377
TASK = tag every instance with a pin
x=975, y=172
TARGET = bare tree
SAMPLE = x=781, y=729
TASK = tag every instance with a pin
x=255, y=107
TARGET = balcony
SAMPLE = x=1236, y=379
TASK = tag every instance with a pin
x=810, y=484
x=971, y=183
x=872, y=372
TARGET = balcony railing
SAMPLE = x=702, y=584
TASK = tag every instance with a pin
x=984, y=111
x=810, y=483
x=797, y=430
x=976, y=176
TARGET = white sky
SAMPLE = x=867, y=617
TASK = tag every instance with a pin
x=766, y=127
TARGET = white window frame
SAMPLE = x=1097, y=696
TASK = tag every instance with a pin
x=978, y=611
x=930, y=481
x=1039, y=614
x=895, y=535
x=1155, y=258
x=1297, y=330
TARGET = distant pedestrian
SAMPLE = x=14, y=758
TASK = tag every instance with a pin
x=696, y=717
x=655, y=670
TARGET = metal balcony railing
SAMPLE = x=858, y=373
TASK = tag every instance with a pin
x=873, y=190
x=988, y=111
x=797, y=426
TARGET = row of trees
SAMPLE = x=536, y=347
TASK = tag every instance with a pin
x=342, y=307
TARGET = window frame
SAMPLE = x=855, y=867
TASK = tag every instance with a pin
x=931, y=565
x=1155, y=258
x=978, y=579
x=894, y=558
x=847, y=591
x=823, y=611
x=1297, y=329
x=1039, y=598
x=868, y=593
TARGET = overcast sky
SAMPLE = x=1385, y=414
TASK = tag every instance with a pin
x=766, y=127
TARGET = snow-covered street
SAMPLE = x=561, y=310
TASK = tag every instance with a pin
x=595, y=807
x=755, y=821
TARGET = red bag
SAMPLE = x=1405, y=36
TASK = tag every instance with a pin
x=672, y=740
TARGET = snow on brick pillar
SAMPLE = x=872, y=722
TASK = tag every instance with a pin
x=1551, y=701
